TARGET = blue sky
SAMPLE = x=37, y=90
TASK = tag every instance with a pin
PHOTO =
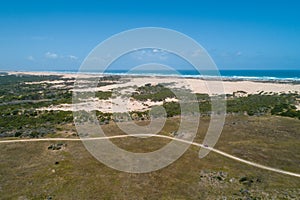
x=58, y=35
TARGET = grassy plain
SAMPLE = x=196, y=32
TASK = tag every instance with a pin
x=29, y=170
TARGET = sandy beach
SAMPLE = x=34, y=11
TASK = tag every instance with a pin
x=201, y=86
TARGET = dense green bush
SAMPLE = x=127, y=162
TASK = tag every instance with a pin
x=103, y=94
x=153, y=92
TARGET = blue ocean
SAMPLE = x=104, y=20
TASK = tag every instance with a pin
x=262, y=75
x=291, y=75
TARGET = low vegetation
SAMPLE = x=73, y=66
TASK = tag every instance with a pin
x=153, y=92
x=21, y=96
x=253, y=104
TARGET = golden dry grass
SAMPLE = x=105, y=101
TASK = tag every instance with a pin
x=28, y=170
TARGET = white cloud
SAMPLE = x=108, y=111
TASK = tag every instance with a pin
x=51, y=55
x=31, y=58
x=71, y=57
x=198, y=52
x=150, y=54
x=157, y=50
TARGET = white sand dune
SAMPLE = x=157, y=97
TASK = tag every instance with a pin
x=194, y=84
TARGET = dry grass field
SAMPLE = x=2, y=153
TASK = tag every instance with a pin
x=29, y=170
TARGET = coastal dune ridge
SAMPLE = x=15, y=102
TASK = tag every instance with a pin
x=231, y=86
x=198, y=85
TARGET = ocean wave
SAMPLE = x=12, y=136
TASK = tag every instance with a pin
x=225, y=77
x=189, y=74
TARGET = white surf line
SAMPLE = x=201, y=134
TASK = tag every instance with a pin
x=161, y=136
